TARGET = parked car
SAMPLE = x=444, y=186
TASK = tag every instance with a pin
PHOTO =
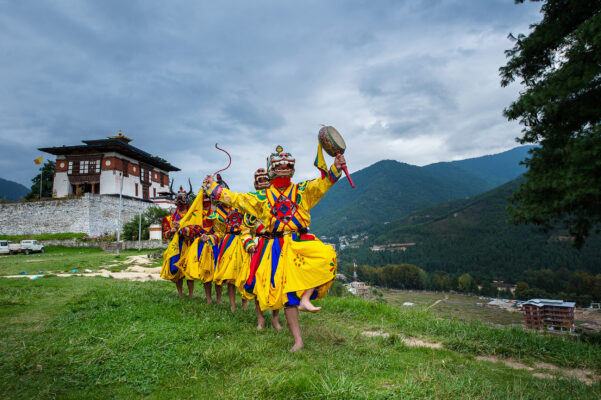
x=4, y=246
x=26, y=246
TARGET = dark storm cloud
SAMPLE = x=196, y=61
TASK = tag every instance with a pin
x=413, y=80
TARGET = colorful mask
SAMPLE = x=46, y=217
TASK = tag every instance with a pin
x=281, y=164
x=261, y=179
x=182, y=197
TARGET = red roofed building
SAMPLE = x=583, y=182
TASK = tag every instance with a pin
x=97, y=166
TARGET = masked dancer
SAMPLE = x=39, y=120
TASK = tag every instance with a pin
x=231, y=256
x=181, y=237
x=254, y=248
x=294, y=265
x=200, y=259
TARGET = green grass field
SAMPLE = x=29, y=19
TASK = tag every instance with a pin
x=88, y=338
x=456, y=306
x=46, y=236
x=59, y=259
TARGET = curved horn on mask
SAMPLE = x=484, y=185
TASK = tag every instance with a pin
x=190, y=183
x=171, y=187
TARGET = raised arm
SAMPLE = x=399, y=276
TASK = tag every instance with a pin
x=317, y=188
x=245, y=202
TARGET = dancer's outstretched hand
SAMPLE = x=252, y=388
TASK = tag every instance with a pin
x=252, y=249
x=339, y=161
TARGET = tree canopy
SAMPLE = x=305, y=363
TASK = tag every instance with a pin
x=153, y=215
x=559, y=65
x=46, y=175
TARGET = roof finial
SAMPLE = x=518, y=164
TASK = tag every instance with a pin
x=121, y=137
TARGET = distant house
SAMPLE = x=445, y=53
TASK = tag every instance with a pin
x=545, y=314
x=97, y=165
x=500, y=285
x=359, y=289
x=391, y=247
x=331, y=244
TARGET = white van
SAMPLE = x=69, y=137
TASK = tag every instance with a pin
x=26, y=246
x=4, y=246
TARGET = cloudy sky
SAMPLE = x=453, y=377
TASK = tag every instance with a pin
x=414, y=81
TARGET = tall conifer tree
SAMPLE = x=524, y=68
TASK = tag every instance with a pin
x=559, y=65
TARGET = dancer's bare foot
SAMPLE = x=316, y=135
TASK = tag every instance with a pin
x=276, y=324
x=260, y=325
x=209, y=301
x=306, y=306
x=296, y=347
x=233, y=308
x=244, y=302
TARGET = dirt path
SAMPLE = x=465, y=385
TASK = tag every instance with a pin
x=540, y=369
x=436, y=302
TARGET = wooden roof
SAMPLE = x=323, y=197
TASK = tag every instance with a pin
x=113, y=143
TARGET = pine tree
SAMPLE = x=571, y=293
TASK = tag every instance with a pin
x=47, y=172
x=559, y=65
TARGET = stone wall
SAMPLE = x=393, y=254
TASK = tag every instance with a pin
x=92, y=214
x=107, y=246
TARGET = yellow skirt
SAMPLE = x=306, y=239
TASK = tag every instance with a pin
x=241, y=281
x=172, y=269
x=231, y=260
x=290, y=265
x=200, y=261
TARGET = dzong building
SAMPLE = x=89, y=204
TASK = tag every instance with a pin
x=97, y=166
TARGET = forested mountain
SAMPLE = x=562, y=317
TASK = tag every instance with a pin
x=473, y=235
x=495, y=169
x=12, y=191
x=388, y=190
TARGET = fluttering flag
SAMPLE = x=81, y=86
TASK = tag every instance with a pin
x=38, y=160
x=320, y=162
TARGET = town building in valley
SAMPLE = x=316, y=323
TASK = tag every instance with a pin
x=98, y=165
x=549, y=314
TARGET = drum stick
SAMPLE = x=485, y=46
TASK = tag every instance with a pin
x=348, y=176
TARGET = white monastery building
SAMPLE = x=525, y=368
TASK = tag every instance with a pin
x=96, y=167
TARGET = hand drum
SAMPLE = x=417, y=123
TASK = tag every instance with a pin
x=332, y=142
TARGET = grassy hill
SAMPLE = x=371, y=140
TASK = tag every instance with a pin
x=102, y=338
x=13, y=191
x=473, y=235
x=388, y=190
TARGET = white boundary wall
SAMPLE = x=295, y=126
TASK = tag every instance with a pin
x=92, y=214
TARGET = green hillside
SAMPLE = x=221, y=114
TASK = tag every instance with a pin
x=386, y=191
x=473, y=236
x=12, y=191
x=98, y=338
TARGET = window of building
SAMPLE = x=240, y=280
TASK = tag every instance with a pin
x=154, y=191
x=70, y=167
x=97, y=166
x=83, y=166
x=136, y=189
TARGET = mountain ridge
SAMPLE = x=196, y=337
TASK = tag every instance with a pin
x=389, y=189
x=13, y=191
